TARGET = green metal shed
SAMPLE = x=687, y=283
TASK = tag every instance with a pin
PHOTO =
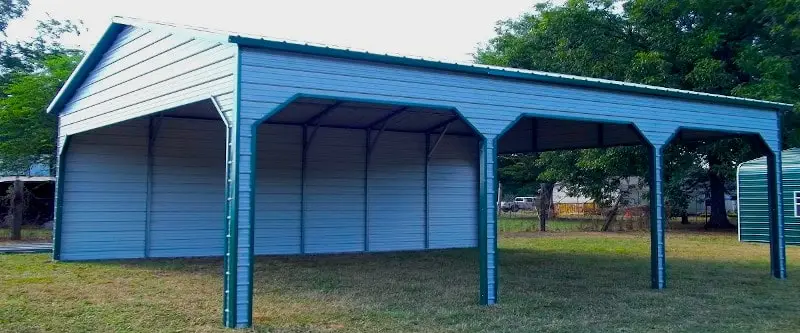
x=752, y=199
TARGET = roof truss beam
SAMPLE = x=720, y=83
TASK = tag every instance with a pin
x=315, y=120
x=385, y=119
x=442, y=124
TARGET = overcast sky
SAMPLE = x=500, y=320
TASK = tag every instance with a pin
x=441, y=29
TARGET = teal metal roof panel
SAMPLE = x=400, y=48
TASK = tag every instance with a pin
x=317, y=49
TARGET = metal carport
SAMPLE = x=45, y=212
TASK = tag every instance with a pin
x=276, y=129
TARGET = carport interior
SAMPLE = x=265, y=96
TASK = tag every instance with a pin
x=537, y=134
x=146, y=187
x=350, y=176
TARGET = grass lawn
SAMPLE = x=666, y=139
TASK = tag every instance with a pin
x=522, y=222
x=28, y=235
x=560, y=282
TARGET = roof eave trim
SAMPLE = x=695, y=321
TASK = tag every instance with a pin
x=523, y=75
x=89, y=61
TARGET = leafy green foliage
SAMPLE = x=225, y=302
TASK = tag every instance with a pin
x=518, y=174
x=10, y=10
x=733, y=47
x=31, y=73
x=595, y=173
x=27, y=133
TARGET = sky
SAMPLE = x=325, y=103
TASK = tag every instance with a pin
x=439, y=29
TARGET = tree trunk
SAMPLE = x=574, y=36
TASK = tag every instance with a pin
x=610, y=217
x=545, y=204
x=17, y=208
x=612, y=213
x=499, y=198
x=684, y=218
x=719, y=216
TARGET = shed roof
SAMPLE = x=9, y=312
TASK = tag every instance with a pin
x=119, y=23
x=789, y=158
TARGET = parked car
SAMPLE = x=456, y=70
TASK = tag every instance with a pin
x=519, y=203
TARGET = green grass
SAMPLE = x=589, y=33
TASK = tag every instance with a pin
x=28, y=234
x=516, y=222
x=531, y=224
x=553, y=282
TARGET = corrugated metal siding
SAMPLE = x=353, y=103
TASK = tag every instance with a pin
x=753, y=207
x=453, y=179
x=397, y=193
x=104, y=193
x=334, y=192
x=149, y=71
x=277, y=218
x=269, y=77
x=106, y=186
x=188, y=191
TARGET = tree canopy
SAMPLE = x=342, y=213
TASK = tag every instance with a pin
x=732, y=47
x=31, y=73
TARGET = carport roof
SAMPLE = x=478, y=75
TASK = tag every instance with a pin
x=118, y=23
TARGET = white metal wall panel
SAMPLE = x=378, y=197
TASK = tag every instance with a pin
x=396, y=192
x=104, y=193
x=334, y=192
x=453, y=179
x=149, y=71
x=188, y=188
x=277, y=200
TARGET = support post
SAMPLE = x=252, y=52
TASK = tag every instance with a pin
x=152, y=133
x=657, y=250
x=535, y=134
x=367, y=153
x=601, y=136
x=487, y=228
x=777, y=245
x=427, y=196
x=58, y=212
x=238, y=278
x=303, y=190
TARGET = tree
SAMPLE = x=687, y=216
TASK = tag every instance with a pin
x=27, y=133
x=741, y=48
x=601, y=174
x=518, y=174
x=31, y=73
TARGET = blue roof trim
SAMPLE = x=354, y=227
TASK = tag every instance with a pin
x=89, y=61
x=502, y=72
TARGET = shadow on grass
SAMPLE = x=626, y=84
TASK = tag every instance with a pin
x=585, y=286
x=453, y=274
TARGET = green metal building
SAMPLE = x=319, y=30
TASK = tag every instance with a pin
x=752, y=199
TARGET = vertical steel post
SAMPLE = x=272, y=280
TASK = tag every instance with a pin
x=657, y=249
x=149, y=183
x=303, y=171
x=487, y=229
x=427, y=196
x=777, y=245
x=229, y=310
x=367, y=153
x=239, y=218
x=58, y=212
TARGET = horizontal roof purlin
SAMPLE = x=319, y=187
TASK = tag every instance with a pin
x=346, y=53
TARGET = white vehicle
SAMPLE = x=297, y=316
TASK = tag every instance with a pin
x=519, y=203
